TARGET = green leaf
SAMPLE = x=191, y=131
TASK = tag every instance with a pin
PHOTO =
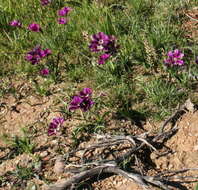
x=109, y=27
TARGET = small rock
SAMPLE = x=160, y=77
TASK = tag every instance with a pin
x=54, y=142
x=189, y=106
x=171, y=166
x=43, y=154
x=80, y=153
x=59, y=165
x=196, y=148
x=31, y=186
x=45, y=187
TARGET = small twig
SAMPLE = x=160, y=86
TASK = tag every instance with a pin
x=101, y=145
x=165, y=135
x=147, y=143
x=174, y=172
x=173, y=116
x=129, y=153
x=182, y=177
x=138, y=165
x=3, y=111
x=191, y=17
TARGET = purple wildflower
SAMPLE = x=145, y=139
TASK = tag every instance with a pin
x=58, y=121
x=45, y=2
x=75, y=103
x=47, y=52
x=174, y=58
x=15, y=23
x=86, y=104
x=98, y=42
x=34, y=27
x=64, y=11
x=86, y=92
x=34, y=59
x=54, y=125
x=62, y=20
x=103, y=42
x=44, y=72
x=82, y=101
x=35, y=55
x=103, y=58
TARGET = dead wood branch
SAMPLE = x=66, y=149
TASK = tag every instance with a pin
x=174, y=172
x=97, y=167
x=187, y=106
x=172, y=117
x=91, y=163
x=75, y=180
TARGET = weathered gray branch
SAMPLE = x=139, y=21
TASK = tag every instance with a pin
x=75, y=180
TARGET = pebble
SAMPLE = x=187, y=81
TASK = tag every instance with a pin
x=59, y=165
x=196, y=148
x=43, y=154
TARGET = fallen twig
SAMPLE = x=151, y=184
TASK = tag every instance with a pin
x=75, y=180
x=191, y=17
x=187, y=106
x=172, y=117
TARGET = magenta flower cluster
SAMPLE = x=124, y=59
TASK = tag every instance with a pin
x=45, y=2
x=34, y=56
x=55, y=125
x=82, y=101
x=15, y=23
x=34, y=27
x=62, y=20
x=103, y=58
x=44, y=72
x=104, y=43
x=63, y=12
x=175, y=58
